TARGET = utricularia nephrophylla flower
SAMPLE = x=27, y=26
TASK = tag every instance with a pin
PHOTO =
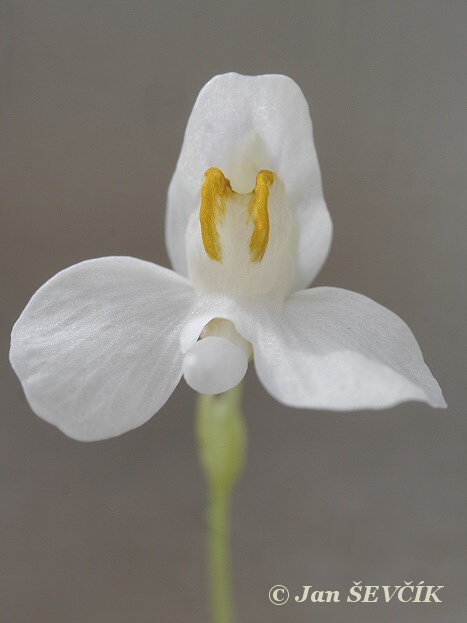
x=102, y=345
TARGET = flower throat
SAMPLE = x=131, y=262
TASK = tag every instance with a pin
x=215, y=192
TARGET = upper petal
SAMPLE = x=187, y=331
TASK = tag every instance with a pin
x=97, y=347
x=333, y=349
x=242, y=124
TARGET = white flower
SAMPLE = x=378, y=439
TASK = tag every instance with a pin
x=102, y=345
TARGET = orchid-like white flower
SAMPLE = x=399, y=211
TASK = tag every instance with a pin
x=102, y=345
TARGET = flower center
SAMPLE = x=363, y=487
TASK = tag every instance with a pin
x=242, y=244
x=214, y=194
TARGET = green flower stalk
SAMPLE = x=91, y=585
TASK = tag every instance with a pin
x=221, y=438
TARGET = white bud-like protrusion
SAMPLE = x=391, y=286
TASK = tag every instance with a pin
x=214, y=365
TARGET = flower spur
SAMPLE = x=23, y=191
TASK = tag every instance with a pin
x=101, y=346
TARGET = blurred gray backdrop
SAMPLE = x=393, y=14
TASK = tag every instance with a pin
x=94, y=97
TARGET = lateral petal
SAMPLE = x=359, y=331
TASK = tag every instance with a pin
x=97, y=347
x=333, y=349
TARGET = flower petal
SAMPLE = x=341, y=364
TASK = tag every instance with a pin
x=97, y=347
x=242, y=124
x=335, y=349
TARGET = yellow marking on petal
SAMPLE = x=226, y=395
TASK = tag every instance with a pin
x=258, y=211
x=214, y=193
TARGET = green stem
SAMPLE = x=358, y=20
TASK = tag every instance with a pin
x=221, y=439
x=219, y=556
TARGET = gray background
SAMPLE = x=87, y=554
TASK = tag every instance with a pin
x=94, y=99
